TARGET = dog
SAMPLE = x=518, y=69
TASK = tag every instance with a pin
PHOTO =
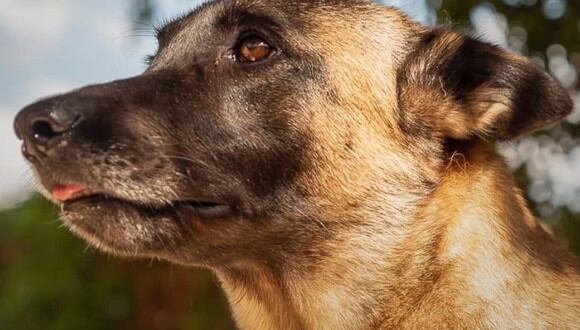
x=331, y=161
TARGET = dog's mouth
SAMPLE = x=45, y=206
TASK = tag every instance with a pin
x=75, y=197
x=130, y=227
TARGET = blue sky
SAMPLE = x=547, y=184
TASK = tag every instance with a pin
x=48, y=47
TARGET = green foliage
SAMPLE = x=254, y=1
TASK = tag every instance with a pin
x=49, y=280
x=568, y=231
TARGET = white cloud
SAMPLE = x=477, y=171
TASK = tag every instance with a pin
x=30, y=29
x=38, y=21
x=44, y=87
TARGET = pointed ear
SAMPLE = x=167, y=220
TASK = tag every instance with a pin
x=461, y=87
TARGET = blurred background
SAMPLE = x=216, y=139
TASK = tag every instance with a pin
x=52, y=280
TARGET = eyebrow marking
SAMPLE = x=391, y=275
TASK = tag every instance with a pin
x=243, y=17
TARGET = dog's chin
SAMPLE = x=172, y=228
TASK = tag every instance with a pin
x=128, y=228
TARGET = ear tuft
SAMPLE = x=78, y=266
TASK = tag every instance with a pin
x=461, y=87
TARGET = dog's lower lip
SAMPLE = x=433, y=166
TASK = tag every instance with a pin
x=83, y=199
x=199, y=208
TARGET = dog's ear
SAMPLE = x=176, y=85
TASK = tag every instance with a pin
x=462, y=87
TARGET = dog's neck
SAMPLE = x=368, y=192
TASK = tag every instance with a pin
x=460, y=256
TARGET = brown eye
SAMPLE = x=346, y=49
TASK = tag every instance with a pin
x=253, y=49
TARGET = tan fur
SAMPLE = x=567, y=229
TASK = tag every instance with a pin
x=462, y=255
x=473, y=254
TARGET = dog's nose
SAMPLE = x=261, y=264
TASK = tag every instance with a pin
x=43, y=124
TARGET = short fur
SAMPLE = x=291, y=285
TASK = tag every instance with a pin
x=355, y=162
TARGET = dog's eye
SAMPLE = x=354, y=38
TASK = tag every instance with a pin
x=253, y=49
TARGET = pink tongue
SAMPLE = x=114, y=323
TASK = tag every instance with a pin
x=64, y=192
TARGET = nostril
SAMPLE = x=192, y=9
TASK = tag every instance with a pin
x=47, y=128
x=43, y=130
x=46, y=125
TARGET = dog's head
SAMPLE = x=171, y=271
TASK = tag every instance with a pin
x=263, y=128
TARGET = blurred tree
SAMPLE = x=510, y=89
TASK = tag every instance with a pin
x=143, y=10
